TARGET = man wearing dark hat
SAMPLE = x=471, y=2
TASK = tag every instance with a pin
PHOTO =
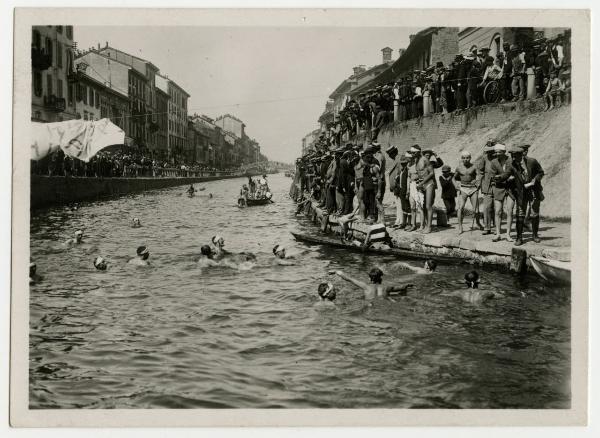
x=484, y=182
x=399, y=186
x=533, y=186
x=448, y=190
x=346, y=178
x=518, y=70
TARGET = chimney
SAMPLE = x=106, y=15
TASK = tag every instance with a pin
x=358, y=69
x=98, y=46
x=401, y=52
x=106, y=44
x=387, y=54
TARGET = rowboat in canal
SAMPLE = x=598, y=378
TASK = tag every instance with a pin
x=337, y=242
x=252, y=202
x=553, y=271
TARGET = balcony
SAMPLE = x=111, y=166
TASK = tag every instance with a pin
x=54, y=103
x=40, y=59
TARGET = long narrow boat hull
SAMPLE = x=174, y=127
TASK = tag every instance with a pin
x=397, y=252
x=254, y=202
x=551, y=270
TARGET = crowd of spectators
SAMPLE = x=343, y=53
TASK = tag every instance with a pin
x=119, y=164
x=349, y=184
x=461, y=85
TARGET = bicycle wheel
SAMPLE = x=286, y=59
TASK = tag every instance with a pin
x=491, y=92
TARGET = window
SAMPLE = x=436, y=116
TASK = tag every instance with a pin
x=49, y=50
x=59, y=88
x=84, y=94
x=37, y=83
x=36, y=40
x=49, y=84
x=59, y=54
x=59, y=29
x=91, y=96
x=85, y=116
x=69, y=32
x=97, y=100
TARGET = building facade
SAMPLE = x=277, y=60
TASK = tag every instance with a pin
x=231, y=124
x=143, y=122
x=52, y=82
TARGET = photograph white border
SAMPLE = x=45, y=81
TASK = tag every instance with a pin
x=21, y=415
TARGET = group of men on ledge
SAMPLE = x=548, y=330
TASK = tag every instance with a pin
x=350, y=182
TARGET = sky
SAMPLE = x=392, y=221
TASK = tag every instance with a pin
x=275, y=79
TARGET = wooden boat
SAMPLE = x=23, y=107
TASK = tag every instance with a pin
x=254, y=202
x=337, y=242
x=552, y=270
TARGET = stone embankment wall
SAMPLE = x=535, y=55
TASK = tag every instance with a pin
x=56, y=190
x=548, y=133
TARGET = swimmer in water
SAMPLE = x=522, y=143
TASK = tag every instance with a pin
x=375, y=289
x=326, y=295
x=191, y=190
x=429, y=267
x=76, y=240
x=473, y=295
x=142, y=257
x=33, y=277
x=218, y=244
x=100, y=264
x=135, y=222
x=210, y=196
x=280, y=256
x=472, y=279
x=206, y=256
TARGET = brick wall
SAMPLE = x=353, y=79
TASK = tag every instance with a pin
x=444, y=45
x=429, y=132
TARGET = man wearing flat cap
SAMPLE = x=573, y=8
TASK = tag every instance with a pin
x=484, y=182
x=533, y=174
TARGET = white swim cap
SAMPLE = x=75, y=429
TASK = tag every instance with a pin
x=499, y=147
x=78, y=233
x=98, y=260
x=465, y=154
x=216, y=238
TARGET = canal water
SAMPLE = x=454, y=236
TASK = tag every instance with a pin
x=177, y=335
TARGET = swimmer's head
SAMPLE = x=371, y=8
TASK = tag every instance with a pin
x=279, y=251
x=472, y=279
x=143, y=252
x=210, y=195
x=218, y=240
x=326, y=292
x=376, y=275
x=32, y=269
x=430, y=265
x=135, y=222
x=206, y=251
x=100, y=263
x=78, y=235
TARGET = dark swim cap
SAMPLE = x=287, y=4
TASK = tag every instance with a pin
x=432, y=264
x=205, y=250
x=376, y=275
x=472, y=279
x=326, y=291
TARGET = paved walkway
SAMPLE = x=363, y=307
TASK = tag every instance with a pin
x=555, y=239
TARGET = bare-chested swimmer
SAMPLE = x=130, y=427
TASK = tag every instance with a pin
x=281, y=256
x=76, y=240
x=376, y=288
